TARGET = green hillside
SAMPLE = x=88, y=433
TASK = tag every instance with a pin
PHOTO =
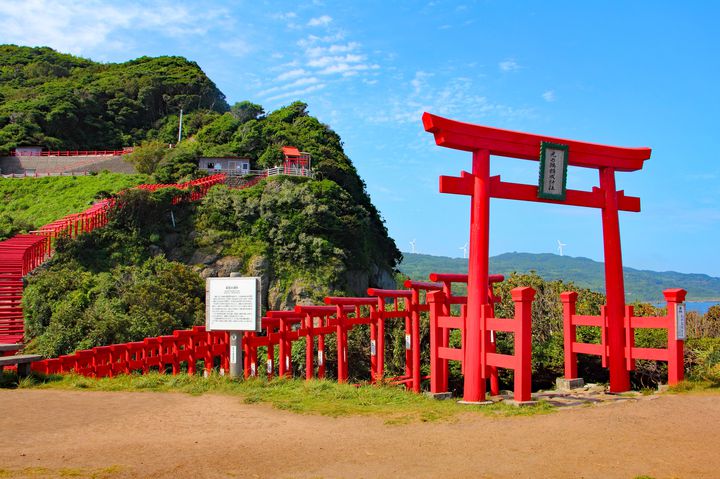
x=142, y=275
x=30, y=203
x=640, y=285
x=59, y=101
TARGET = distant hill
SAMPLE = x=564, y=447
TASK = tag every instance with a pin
x=640, y=285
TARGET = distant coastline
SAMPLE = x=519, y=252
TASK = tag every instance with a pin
x=640, y=285
x=701, y=307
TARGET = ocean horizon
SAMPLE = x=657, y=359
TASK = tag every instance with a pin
x=700, y=306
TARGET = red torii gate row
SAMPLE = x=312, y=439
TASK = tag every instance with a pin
x=281, y=328
x=23, y=253
x=483, y=142
x=333, y=318
x=184, y=348
x=20, y=255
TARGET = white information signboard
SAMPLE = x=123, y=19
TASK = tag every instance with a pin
x=680, y=321
x=232, y=304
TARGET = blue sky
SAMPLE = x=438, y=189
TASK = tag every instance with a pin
x=618, y=73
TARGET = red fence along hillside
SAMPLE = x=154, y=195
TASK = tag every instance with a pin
x=23, y=253
x=18, y=256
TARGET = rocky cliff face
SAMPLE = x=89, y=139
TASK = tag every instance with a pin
x=277, y=295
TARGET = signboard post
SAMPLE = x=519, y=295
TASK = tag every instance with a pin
x=233, y=304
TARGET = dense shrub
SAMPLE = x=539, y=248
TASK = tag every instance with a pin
x=69, y=308
x=114, y=285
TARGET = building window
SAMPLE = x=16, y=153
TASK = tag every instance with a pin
x=245, y=166
x=210, y=166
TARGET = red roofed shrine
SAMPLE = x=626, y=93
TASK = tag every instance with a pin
x=295, y=159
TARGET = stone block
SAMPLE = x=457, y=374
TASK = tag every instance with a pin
x=564, y=384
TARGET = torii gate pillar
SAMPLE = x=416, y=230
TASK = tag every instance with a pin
x=614, y=284
x=484, y=141
x=474, y=387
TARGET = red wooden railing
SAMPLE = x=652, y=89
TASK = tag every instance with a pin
x=72, y=153
x=442, y=320
x=314, y=323
x=182, y=348
x=18, y=256
x=21, y=254
x=280, y=329
x=673, y=353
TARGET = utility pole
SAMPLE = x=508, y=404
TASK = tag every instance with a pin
x=180, y=127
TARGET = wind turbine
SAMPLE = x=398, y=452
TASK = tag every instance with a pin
x=465, y=250
x=412, y=245
x=560, y=247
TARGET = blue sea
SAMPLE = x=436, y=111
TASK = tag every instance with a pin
x=700, y=306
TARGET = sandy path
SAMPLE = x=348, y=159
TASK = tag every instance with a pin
x=177, y=436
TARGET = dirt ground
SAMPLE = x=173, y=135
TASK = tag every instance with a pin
x=101, y=434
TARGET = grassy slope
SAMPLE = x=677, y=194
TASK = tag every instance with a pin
x=641, y=285
x=39, y=201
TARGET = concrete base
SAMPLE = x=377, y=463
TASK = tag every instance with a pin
x=439, y=396
x=476, y=403
x=564, y=384
x=513, y=402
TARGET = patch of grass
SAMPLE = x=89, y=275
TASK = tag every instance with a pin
x=41, y=472
x=324, y=397
x=506, y=410
x=693, y=385
x=34, y=202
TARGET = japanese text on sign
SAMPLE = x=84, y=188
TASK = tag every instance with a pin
x=232, y=304
x=680, y=321
x=553, y=171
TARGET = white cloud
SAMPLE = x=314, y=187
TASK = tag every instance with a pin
x=102, y=25
x=321, y=21
x=287, y=17
x=457, y=98
x=311, y=40
x=237, y=47
x=509, y=65
x=296, y=93
x=549, y=96
x=283, y=15
x=297, y=83
x=419, y=81
x=346, y=69
x=291, y=74
x=332, y=49
x=323, y=62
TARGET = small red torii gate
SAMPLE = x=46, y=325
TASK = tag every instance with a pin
x=484, y=141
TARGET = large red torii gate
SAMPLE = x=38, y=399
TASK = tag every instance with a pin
x=484, y=141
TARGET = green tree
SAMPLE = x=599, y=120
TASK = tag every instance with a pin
x=179, y=164
x=245, y=111
x=148, y=156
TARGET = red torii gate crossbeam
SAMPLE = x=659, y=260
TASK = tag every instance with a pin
x=484, y=141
